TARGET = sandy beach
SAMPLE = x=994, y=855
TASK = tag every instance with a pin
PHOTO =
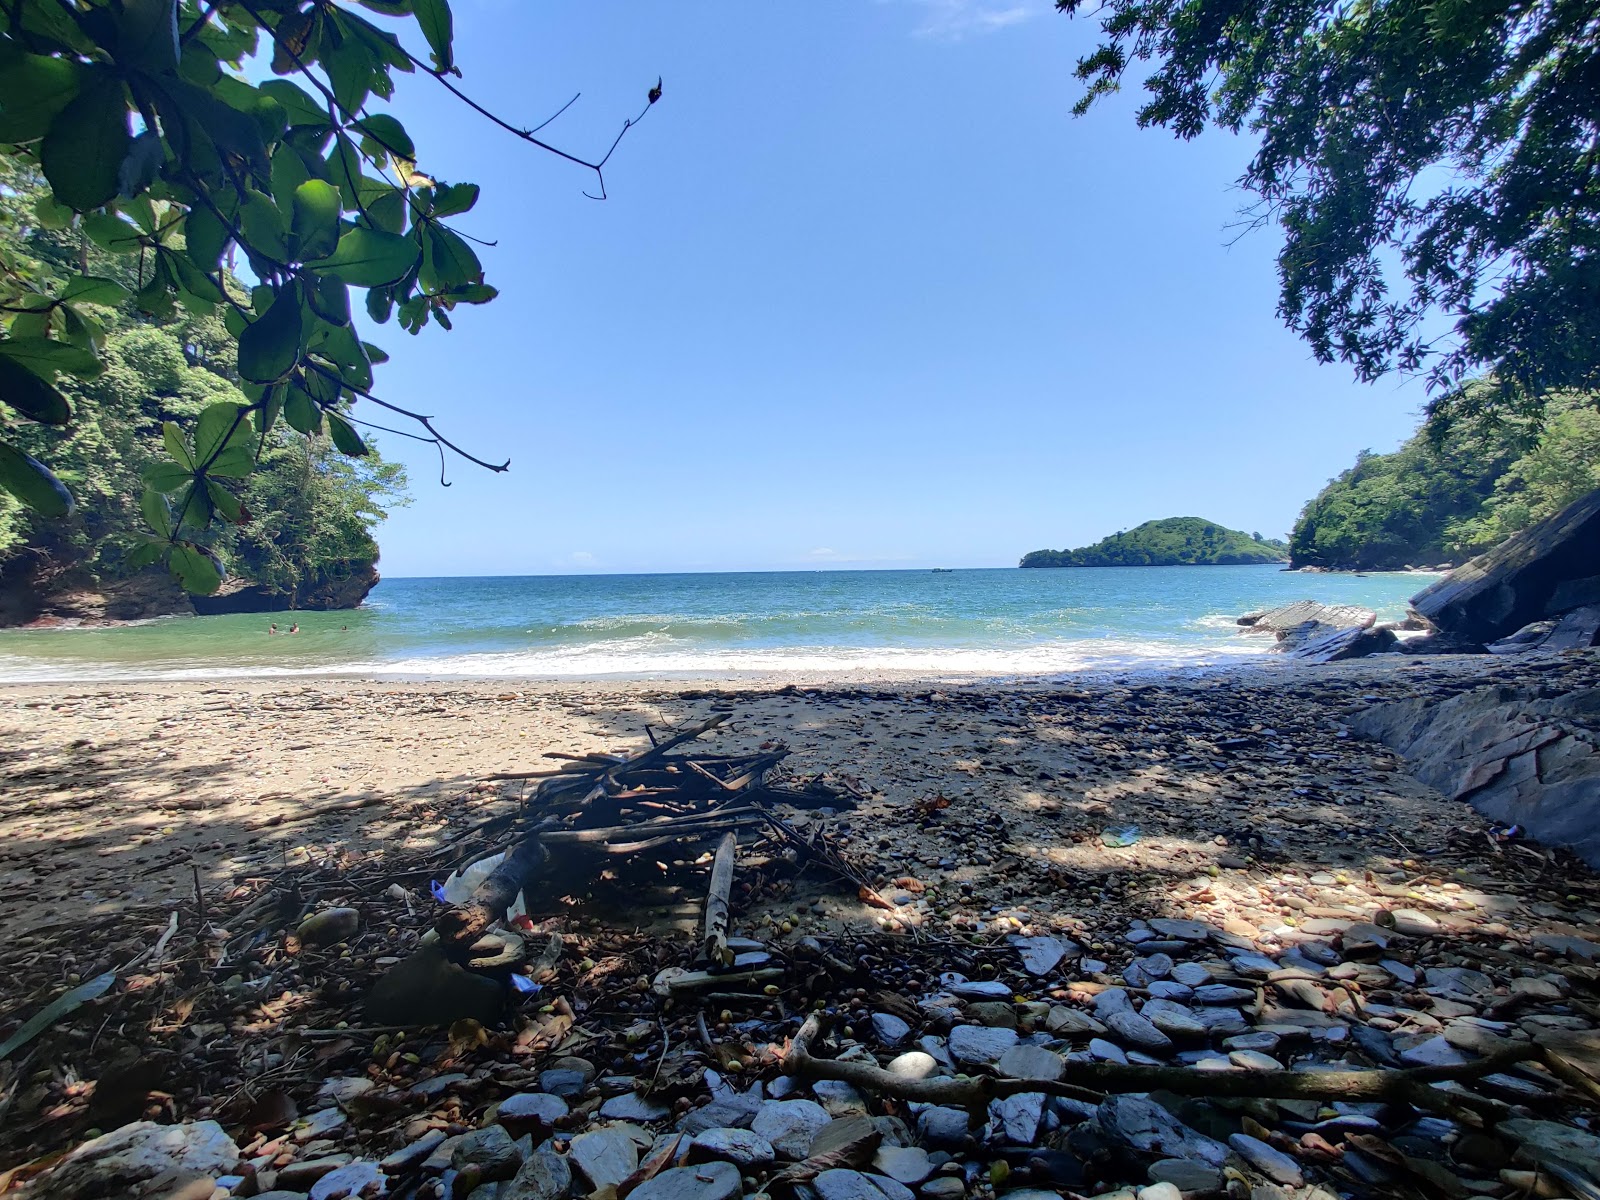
x=119, y=797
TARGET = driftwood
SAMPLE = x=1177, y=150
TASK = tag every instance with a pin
x=1093, y=1081
x=716, y=938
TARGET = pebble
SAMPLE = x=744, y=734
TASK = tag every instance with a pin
x=1191, y=974
x=328, y=927
x=605, y=1156
x=1222, y=993
x=630, y=1106
x=843, y=1184
x=409, y=1156
x=913, y=1064
x=1031, y=1062
x=1107, y=1051
x=1131, y=1027
x=905, y=1164
x=491, y=1150
x=1265, y=1042
x=528, y=1111
x=360, y=1178
x=980, y=1045
x=791, y=1125
x=708, y=1181
x=1274, y=1164
x=945, y=1187
x=942, y=1127
x=1186, y=1175
x=1254, y=1060
x=889, y=1029
x=743, y=1147
x=544, y=1176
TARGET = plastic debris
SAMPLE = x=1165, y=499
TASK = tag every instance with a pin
x=1116, y=838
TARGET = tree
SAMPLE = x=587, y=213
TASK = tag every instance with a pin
x=1424, y=158
x=157, y=147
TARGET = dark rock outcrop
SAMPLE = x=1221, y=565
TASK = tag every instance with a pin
x=345, y=587
x=1545, y=571
x=1287, y=617
x=1516, y=757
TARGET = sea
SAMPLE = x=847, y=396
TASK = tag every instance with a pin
x=1003, y=622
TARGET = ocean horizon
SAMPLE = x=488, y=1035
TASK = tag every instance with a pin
x=997, y=621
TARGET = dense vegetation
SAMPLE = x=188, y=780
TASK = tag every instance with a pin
x=1450, y=493
x=300, y=522
x=158, y=145
x=1174, y=541
x=1428, y=161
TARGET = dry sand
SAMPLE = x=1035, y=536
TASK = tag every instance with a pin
x=119, y=796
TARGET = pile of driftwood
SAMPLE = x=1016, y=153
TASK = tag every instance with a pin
x=622, y=814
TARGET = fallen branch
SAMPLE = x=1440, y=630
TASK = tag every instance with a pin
x=1094, y=1080
x=716, y=939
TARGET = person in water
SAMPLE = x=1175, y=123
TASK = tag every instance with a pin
x=272, y=628
x=295, y=628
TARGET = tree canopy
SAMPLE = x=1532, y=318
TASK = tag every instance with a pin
x=1449, y=494
x=157, y=146
x=1169, y=542
x=1434, y=166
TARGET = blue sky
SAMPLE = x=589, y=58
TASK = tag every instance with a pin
x=864, y=294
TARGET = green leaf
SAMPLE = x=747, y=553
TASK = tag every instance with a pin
x=143, y=554
x=329, y=299
x=166, y=477
x=288, y=172
x=369, y=257
x=111, y=233
x=235, y=462
x=147, y=35
x=263, y=227
x=61, y=1006
x=225, y=502
x=380, y=304
x=389, y=135
x=92, y=289
x=269, y=347
x=205, y=237
x=157, y=512
x=33, y=89
x=375, y=356
x=195, y=282
x=267, y=415
x=301, y=411
x=316, y=219
x=45, y=357
x=345, y=436
x=438, y=27
x=349, y=65
x=447, y=261
x=51, y=214
x=87, y=143
x=33, y=397
x=452, y=199
x=474, y=293
x=297, y=105
x=220, y=425
x=198, y=570
x=172, y=438
x=31, y=482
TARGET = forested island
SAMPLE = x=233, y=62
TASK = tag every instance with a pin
x=303, y=533
x=1169, y=542
x=1451, y=492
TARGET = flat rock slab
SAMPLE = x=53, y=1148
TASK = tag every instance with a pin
x=605, y=1157
x=790, y=1125
x=980, y=1045
x=841, y=1184
x=114, y=1163
x=1041, y=955
x=1274, y=1164
x=742, y=1147
x=904, y=1164
x=708, y=1181
x=1031, y=1062
x=1148, y=1128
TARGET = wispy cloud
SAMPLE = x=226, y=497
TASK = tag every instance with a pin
x=952, y=20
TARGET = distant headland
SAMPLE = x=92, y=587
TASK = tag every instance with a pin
x=1170, y=542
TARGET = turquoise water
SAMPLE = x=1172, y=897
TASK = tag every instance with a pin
x=998, y=622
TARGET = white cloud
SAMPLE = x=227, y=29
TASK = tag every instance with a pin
x=582, y=558
x=823, y=552
x=952, y=20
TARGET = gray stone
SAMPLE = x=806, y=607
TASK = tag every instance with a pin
x=1543, y=1140
x=1156, y=966
x=942, y=1127
x=708, y=1181
x=727, y=1112
x=360, y=1178
x=329, y=926
x=1167, y=989
x=1071, y=1022
x=1458, y=982
x=1149, y=1129
x=407, y=1157
x=1107, y=1051
x=605, y=1156
x=944, y=1187
x=979, y=1044
x=1140, y=1031
x=1274, y=1164
x=492, y=1150
x=1435, y=1052
x=913, y=1064
x=526, y=1112
x=1173, y=1019
x=544, y=1176
x=1187, y=1175
x=739, y=1146
x=1264, y=1042
x=841, y=1184
x=1257, y=966
x=1112, y=1000
x=1188, y=931
x=889, y=1029
x=1159, y=1191
x=1025, y=1061
x=1254, y=1060
x=790, y=1125
x=1191, y=974
x=972, y=989
x=1405, y=973
x=299, y=1176
x=630, y=1106
x=904, y=1164
x=559, y=1081
x=838, y=1098
x=1222, y=993
x=1016, y=1118
x=1222, y=1022
x=122, y=1161
x=1041, y=955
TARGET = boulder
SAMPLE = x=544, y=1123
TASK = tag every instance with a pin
x=1288, y=617
x=141, y=1159
x=1354, y=642
x=1545, y=570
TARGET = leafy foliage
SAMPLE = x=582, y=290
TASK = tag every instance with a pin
x=165, y=397
x=1173, y=541
x=1424, y=158
x=1450, y=493
x=158, y=148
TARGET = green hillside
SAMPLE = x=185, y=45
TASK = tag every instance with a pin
x=1170, y=542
